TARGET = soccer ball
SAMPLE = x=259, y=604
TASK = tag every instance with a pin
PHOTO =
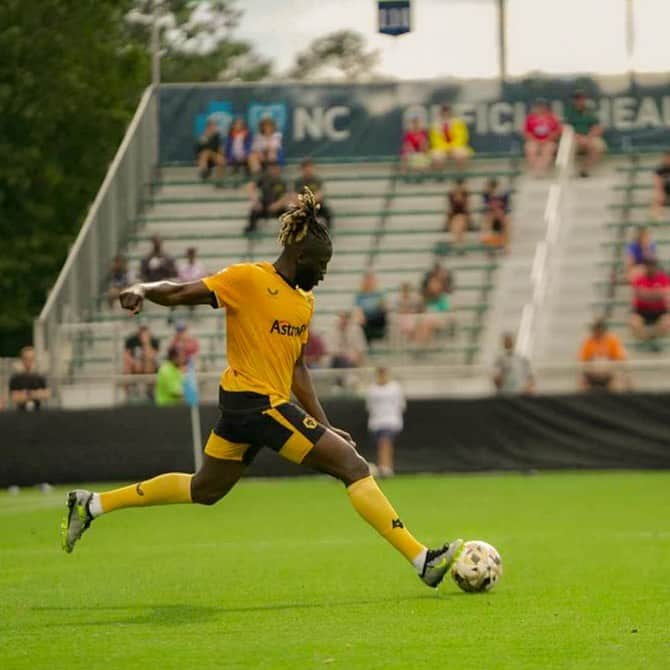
x=478, y=568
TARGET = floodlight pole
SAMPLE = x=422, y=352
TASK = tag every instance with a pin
x=155, y=45
x=630, y=35
x=502, y=45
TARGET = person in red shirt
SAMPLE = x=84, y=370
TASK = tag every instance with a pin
x=414, y=154
x=541, y=132
x=650, y=317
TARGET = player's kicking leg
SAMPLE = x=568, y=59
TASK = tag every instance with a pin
x=334, y=456
x=214, y=479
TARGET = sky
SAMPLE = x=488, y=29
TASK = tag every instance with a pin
x=459, y=37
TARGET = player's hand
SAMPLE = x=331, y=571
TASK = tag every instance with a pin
x=132, y=298
x=343, y=434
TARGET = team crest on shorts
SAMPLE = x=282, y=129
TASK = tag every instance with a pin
x=309, y=423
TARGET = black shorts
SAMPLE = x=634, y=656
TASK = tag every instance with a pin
x=390, y=433
x=650, y=317
x=248, y=423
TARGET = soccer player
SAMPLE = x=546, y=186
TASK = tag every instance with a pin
x=268, y=310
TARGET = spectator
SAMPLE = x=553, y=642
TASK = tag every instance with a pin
x=512, y=374
x=140, y=352
x=27, y=388
x=371, y=303
x=541, y=131
x=458, y=215
x=208, y=151
x=315, y=184
x=599, y=354
x=385, y=403
x=191, y=269
x=238, y=146
x=589, y=142
x=650, y=318
x=436, y=306
x=661, y=187
x=315, y=350
x=408, y=305
x=638, y=252
x=266, y=148
x=415, y=151
x=119, y=278
x=157, y=266
x=495, y=233
x=269, y=197
x=169, y=389
x=446, y=278
x=347, y=344
x=187, y=345
x=449, y=138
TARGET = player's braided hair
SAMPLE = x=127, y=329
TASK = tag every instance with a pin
x=301, y=220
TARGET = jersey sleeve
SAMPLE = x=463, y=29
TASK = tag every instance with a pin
x=229, y=285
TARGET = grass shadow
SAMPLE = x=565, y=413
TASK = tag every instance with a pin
x=178, y=614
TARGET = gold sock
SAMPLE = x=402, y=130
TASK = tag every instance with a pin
x=369, y=501
x=174, y=487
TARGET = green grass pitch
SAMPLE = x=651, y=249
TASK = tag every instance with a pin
x=284, y=574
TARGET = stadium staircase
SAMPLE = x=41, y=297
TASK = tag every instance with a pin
x=383, y=220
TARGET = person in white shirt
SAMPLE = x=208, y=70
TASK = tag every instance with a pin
x=266, y=147
x=385, y=404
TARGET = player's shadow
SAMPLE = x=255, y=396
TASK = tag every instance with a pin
x=174, y=615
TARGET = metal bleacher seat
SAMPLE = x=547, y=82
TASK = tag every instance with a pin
x=383, y=220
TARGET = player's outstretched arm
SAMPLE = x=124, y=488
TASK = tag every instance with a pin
x=303, y=389
x=166, y=293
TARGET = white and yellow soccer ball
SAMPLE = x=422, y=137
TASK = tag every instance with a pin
x=478, y=568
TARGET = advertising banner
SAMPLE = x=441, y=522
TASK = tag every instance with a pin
x=336, y=121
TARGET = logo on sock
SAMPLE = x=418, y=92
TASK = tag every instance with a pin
x=397, y=523
x=140, y=492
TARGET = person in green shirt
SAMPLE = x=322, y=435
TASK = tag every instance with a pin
x=169, y=389
x=588, y=132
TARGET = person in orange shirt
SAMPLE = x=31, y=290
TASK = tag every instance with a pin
x=598, y=353
x=269, y=308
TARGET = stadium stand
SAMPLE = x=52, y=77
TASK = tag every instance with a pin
x=632, y=193
x=384, y=220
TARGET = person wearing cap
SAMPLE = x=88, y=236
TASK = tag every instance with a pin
x=449, y=139
x=169, y=389
x=187, y=345
x=599, y=354
x=541, y=132
x=650, y=319
x=208, y=151
x=140, y=352
x=588, y=132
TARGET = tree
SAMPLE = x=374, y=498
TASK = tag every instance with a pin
x=342, y=53
x=196, y=40
x=69, y=85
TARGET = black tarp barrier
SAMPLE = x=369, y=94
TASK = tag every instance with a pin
x=573, y=431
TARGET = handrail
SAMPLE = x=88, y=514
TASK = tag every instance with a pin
x=93, y=211
x=104, y=223
x=539, y=275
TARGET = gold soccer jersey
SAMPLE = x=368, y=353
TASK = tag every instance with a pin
x=267, y=323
